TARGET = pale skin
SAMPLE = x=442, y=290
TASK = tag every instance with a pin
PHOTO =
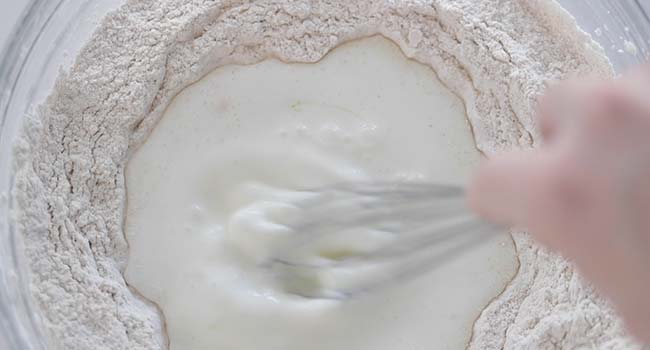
x=585, y=192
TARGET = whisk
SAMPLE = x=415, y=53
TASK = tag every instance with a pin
x=356, y=238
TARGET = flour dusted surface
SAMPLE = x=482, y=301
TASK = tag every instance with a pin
x=497, y=55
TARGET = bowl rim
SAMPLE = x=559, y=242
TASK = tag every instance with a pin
x=20, y=328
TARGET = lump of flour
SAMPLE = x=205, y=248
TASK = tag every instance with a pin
x=497, y=55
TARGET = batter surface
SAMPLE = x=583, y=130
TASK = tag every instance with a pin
x=242, y=139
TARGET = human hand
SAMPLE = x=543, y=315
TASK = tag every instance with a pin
x=586, y=191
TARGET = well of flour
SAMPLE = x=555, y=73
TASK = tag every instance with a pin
x=497, y=56
x=246, y=134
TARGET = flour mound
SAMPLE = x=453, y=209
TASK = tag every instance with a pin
x=497, y=55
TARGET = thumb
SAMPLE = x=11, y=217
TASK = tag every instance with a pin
x=504, y=188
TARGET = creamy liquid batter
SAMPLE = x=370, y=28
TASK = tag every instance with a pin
x=246, y=135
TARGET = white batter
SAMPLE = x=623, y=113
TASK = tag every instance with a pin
x=246, y=135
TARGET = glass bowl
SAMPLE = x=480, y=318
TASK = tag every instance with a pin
x=51, y=32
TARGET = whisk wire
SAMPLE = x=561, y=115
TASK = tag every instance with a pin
x=428, y=224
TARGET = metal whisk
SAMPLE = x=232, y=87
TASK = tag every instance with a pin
x=354, y=238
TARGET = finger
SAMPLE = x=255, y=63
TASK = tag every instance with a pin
x=635, y=85
x=548, y=123
x=563, y=105
x=639, y=74
x=504, y=188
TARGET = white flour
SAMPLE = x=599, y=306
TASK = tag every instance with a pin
x=497, y=55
